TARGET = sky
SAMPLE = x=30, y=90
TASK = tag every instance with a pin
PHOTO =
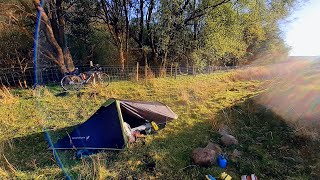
x=302, y=33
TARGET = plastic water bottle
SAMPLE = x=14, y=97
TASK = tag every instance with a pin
x=222, y=162
x=209, y=177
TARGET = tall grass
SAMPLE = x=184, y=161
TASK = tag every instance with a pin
x=293, y=93
x=194, y=99
x=199, y=101
x=6, y=97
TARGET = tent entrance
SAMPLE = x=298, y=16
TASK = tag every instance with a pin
x=133, y=121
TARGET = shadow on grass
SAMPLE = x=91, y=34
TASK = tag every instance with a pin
x=269, y=146
x=30, y=153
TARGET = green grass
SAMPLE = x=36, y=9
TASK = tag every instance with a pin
x=203, y=103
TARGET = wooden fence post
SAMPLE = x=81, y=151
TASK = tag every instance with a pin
x=171, y=69
x=176, y=71
x=145, y=71
x=193, y=70
x=187, y=68
x=137, y=72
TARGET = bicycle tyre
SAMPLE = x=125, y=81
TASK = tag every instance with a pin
x=103, y=78
x=71, y=82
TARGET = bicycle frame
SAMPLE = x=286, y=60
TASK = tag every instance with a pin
x=88, y=79
x=75, y=82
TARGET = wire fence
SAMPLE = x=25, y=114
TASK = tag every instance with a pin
x=16, y=77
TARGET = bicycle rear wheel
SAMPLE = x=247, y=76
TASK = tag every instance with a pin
x=103, y=78
x=71, y=83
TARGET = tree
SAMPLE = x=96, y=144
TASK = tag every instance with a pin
x=223, y=36
x=81, y=30
x=115, y=17
x=240, y=31
x=52, y=24
x=180, y=26
x=158, y=33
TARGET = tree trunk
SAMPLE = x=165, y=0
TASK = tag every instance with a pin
x=62, y=56
x=68, y=60
x=113, y=13
x=150, y=32
x=63, y=44
x=121, y=56
x=127, y=30
x=164, y=62
x=145, y=64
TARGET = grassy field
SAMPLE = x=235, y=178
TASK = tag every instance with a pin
x=204, y=103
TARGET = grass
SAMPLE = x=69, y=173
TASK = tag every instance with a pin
x=204, y=103
x=270, y=147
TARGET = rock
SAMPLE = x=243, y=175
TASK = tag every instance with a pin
x=228, y=140
x=214, y=147
x=204, y=156
x=224, y=130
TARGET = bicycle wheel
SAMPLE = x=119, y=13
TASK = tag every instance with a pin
x=103, y=78
x=71, y=83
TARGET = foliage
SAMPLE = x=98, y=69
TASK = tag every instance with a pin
x=15, y=36
x=188, y=32
x=241, y=32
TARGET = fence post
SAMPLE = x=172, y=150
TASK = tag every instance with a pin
x=171, y=70
x=145, y=71
x=193, y=70
x=176, y=71
x=188, y=68
x=137, y=72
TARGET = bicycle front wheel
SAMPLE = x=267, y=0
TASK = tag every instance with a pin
x=71, y=83
x=103, y=78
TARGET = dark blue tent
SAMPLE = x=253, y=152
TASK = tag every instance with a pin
x=104, y=129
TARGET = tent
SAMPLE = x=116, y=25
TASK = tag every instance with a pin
x=105, y=129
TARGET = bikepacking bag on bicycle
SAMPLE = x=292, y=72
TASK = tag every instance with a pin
x=105, y=128
x=74, y=72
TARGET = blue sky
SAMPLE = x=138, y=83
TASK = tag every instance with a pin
x=302, y=33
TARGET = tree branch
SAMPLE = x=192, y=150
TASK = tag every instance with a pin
x=200, y=12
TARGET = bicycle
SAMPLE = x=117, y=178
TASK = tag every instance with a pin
x=76, y=80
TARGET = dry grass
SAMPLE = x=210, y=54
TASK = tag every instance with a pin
x=293, y=93
x=271, y=72
x=199, y=101
x=195, y=99
x=6, y=97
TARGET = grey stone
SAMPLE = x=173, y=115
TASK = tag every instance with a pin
x=224, y=130
x=229, y=140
